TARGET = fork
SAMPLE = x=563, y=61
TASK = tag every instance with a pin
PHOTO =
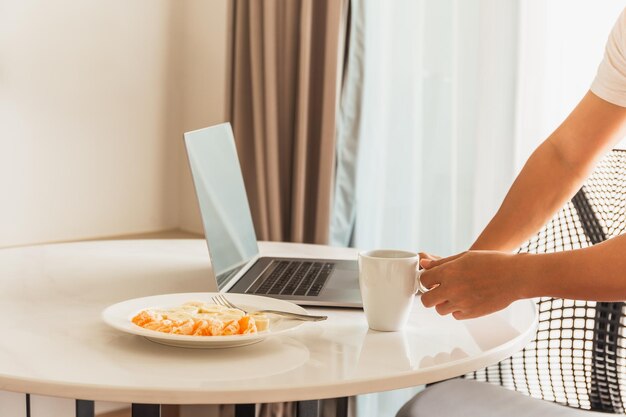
x=221, y=300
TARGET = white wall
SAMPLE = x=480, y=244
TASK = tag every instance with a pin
x=94, y=97
x=205, y=71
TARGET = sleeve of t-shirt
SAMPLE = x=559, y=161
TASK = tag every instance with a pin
x=610, y=81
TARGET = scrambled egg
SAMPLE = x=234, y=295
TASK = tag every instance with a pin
x=199, y=319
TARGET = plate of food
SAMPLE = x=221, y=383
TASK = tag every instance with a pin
x=194, y=320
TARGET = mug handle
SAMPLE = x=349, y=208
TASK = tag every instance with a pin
x=419, y=287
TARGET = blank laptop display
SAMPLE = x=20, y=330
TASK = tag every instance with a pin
x=223, y=203
x=232, y=242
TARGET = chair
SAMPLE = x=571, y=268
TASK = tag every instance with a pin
x=578, y=355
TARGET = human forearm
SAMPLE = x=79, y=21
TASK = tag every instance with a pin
x=554, y=172
x=595, y=273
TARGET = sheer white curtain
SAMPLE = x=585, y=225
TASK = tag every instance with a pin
x=562, y=44
x=435, y=145
x=443, y=101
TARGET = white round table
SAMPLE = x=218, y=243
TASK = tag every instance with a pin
x=55, y=343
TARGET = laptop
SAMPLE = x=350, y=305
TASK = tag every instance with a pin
x=237, y=266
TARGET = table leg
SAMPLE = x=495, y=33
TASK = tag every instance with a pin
x=146, y=410
x=342, y=407
x=27, y=405
x=84, y=408
x=245, y=410
x=309, y=408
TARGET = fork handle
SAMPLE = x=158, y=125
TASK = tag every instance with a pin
x=296, y=316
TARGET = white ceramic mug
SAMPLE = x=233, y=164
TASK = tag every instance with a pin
x=389, y=280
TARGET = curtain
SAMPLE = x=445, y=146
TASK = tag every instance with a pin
x=425, y=130
x=287, y=64
x=558, y=61
x=435, y=127
x=442, y=104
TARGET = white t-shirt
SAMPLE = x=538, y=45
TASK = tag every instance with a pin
x=610, y=82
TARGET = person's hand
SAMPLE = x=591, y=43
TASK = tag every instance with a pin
x=470, y=284
x=427, y=256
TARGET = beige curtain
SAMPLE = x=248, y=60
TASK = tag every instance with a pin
x=287, y=64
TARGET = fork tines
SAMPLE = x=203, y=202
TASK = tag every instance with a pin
x=221, y=300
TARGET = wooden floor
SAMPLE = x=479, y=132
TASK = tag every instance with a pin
x=119, y=413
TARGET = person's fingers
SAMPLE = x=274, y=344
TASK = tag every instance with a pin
x=461, y=315
x=445, y=308
x=433, y=298
x=425, y=263
x=441, y=261
x=424, y=255
x=428, y=263
x=429, y=279
x=426, y=258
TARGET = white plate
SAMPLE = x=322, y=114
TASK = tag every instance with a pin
x=119, y=316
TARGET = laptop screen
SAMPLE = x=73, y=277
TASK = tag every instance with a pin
x=222, y=198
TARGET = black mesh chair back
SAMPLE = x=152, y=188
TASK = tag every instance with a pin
x=578, y=355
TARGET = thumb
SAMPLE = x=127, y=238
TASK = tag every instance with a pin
x=431, y=263
x=424, y=255
x=426, y=258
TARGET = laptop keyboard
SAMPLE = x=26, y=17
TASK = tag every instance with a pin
x=293, y=278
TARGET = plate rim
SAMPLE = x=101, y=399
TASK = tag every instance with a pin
x=109, y=316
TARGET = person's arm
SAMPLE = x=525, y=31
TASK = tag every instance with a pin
x=482, y=281
x=476, y=283
x=596, y=273
x=554, y=172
